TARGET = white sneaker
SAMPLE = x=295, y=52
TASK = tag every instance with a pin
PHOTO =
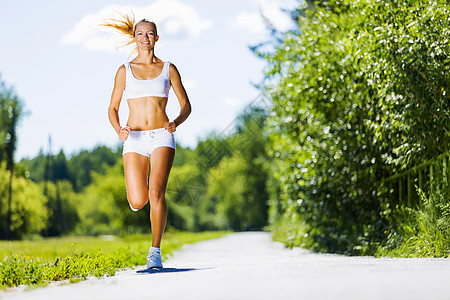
x=132, y=208
x=154, y=260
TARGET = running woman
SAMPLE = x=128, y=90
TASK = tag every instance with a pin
x=146, y=81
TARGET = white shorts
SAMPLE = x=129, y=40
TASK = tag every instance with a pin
x=144, y=142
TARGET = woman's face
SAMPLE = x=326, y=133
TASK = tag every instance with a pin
x=145, y=35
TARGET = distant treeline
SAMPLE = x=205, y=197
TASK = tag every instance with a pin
x=218, y=185
x=76, y=170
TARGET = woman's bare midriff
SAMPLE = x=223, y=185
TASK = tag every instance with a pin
x=147, y=113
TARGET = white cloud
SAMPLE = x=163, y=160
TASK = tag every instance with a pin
x=272, y=10
x=252, y=22
x=173, y=18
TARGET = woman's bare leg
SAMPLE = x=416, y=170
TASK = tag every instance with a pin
x=161, y=161
x=136, y=172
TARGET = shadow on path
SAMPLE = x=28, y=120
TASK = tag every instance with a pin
x=165, y=270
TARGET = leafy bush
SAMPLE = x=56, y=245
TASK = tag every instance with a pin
x=359, y=92
x=423, y=231
x=28, y=206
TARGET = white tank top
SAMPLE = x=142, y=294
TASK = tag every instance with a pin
x=157, y=87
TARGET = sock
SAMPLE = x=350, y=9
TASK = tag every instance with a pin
x=154, y=249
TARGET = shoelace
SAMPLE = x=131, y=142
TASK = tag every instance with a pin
x=153, y=256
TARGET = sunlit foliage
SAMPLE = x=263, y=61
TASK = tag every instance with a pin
x=359, y=91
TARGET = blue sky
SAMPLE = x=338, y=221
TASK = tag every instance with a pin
x=63, y=67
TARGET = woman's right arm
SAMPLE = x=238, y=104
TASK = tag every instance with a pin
x=116, y=97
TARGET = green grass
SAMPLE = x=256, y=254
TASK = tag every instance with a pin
x=422, y=231
x=77, y=257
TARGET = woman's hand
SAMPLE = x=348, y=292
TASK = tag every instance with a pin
x=170, y=126
x=123, y=133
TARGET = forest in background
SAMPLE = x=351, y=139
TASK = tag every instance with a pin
x=356, y=95
x=219, y=185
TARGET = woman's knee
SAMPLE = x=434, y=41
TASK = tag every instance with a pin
x=137, y=201
x=156, y=194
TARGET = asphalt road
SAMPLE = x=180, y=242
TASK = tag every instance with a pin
x=251, y=266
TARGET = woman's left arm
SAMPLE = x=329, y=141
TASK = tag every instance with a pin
x=180, y=92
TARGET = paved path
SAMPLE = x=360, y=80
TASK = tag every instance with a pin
x=251, y=266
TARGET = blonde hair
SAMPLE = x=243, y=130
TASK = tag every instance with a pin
x=127, y=26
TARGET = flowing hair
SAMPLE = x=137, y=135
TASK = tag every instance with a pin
x=126, y=25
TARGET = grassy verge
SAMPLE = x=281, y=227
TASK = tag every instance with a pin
x=77, y=257
x=422, y=231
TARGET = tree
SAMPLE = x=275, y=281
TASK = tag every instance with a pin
x=84, y=163
x=61, y=205
x=236, y=195
x=77, y=168
x=11, y=111
x=28, y=210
